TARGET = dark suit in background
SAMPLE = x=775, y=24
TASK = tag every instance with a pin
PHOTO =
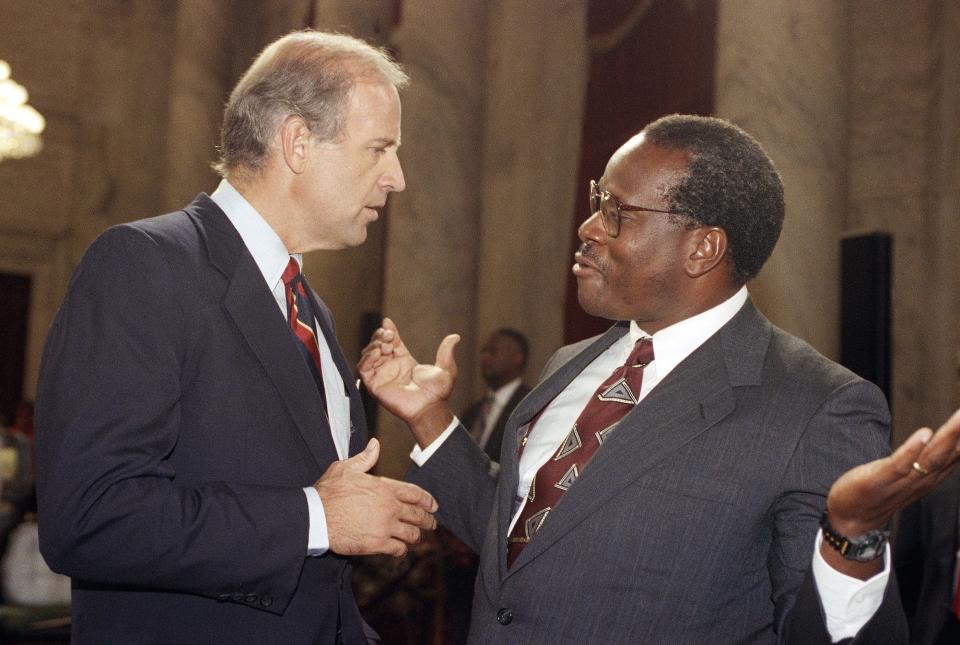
x=925, y=558
x=470, y=416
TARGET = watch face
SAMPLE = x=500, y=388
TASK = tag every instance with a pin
x=868, y=551
x=868, y=547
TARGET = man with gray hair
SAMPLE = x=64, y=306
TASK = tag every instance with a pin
x=201, y=446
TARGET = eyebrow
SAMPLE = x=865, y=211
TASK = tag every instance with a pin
x=387, y=142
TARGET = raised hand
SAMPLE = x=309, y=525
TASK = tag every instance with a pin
x=866, y=497
x=367, y=514
x=414, y=392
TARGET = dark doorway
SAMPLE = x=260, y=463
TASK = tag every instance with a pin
x=14, y=311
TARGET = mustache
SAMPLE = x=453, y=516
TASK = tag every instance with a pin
x=589, y=251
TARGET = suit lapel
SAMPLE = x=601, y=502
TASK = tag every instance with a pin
x=495, y=442
x=695, y=396
x=254, y=311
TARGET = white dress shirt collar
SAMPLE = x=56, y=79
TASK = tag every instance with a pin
x=266, y=247
x=674, y=343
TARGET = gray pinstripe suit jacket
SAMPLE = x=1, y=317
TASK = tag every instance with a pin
x=695, y=521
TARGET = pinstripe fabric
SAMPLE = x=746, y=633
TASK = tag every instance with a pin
x=695, y=523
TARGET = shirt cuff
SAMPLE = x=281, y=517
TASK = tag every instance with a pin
x=849, y=603
x=318, y=540
x=420, y=457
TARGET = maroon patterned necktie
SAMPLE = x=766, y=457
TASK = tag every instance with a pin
x=613, y=399
x=302, y=321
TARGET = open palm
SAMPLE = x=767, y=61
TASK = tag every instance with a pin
x=403, y=386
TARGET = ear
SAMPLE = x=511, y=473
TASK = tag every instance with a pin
x=295, y=143
x=709, y=249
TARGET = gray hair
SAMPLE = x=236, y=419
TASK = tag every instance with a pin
x=307, y=74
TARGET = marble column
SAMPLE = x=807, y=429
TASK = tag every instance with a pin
x=781, y=76
x=904, y=178
x=536, y=79
x=430, y=272
x=198, y=91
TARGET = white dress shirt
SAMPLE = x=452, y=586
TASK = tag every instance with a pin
x=848, y=602
x=272, y=257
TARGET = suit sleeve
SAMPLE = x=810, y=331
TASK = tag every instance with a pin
x=111, y=509
x=458, y=476
x=851, y=427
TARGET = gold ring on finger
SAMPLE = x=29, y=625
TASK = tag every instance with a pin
x=920, y=469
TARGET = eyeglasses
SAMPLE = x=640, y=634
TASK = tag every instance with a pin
x=611, y=209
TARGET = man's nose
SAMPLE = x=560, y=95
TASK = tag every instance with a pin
x=592, y=229
x=392, y=180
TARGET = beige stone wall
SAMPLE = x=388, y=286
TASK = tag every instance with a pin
x=780, y=75
x=132, y=94
x=904, y=166
x=531, y=155
x=430, y=250
x=99, y=73
x=858, y=103
x=491, y=146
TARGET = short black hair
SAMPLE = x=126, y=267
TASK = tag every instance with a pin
x=731, y=183
x=522, y=343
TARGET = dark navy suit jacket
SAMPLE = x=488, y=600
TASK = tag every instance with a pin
x=176, y=426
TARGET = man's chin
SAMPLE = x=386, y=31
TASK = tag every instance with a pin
x=590, y=302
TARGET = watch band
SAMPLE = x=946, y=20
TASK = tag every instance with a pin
x=862, y=548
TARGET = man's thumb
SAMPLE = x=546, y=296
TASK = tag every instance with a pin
x=445, y=353
x=364, y=461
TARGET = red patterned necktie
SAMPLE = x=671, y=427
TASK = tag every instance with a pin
x=613, y=399
x=302, y=321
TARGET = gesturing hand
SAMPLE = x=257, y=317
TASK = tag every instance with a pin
x=414, y=392
x=866, y=497
x=367, y=514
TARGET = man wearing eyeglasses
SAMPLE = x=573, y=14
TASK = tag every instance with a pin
x=667, y=481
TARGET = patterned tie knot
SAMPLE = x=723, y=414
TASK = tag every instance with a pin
x=642, y=354
x=291, y=271
x=292, y=278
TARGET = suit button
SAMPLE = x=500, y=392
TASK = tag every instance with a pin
x=237, y=597
x=504, y=616
x=224, y=597
x=266, y=601
x=251, y=598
